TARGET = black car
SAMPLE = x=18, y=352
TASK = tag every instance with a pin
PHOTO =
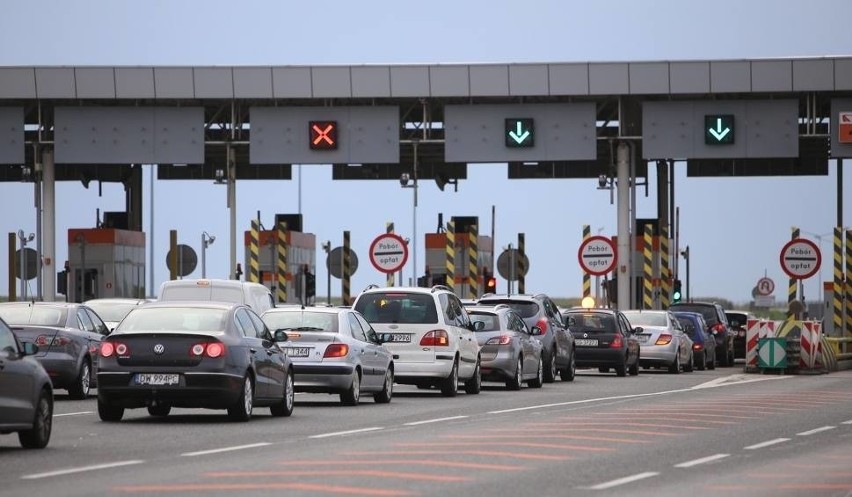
x=557, y=343
x=717, y=325
x=67, y=335
x=26, y=395
x=604, y=339
x=738, y=321
x=194, y=354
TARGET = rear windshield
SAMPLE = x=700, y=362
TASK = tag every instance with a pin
x=112, y=311
x=409, y=308
x=646, y=318
x=688, y=326
x=736, y=319
x=592, y=322
x=525, y=310
x=709, y=312
x=302, y=321
x=33, y=315
x=175, y=319
x=492, y=321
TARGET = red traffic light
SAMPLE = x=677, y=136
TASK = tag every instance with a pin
x=491, y=285
x=323, y=135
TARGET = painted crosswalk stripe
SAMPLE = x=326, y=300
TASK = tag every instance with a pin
x=768, y=443
x=816, y=430
x=623, y=481
x=703, y=460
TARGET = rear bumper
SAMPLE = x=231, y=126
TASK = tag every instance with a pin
x=594, y=357
x=656, y=355
x=498, y=367
x=319, y=378
x=412, y=372
x=209, y=390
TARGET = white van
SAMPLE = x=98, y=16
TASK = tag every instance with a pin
x=254, y=295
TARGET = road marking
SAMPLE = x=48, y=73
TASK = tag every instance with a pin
x=409, y=462
x=485, y=453
x=847, y=422
x=81, y=469
x=436, y=420
x=348, y=432
x=816, y=430
x=225, y=449
x=72, y=414
x=623, y=481
x=768, y=443
x=703, y=460
x=405, y=475
x=310, y=487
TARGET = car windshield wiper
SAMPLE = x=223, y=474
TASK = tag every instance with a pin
x=303, y=328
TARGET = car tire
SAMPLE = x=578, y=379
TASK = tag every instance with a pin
x=109, y=412
x=39, y=435
x=711, y=365
x=474, y=385
x=385, y=396
x=352, y=395
x=731, y=359
x=159, y=410
x=242, y=409
x=285, y=407
x=690, y=364
x=569, y=373
x=634, y=368
x=538, y=381
x=450, y=384
x=550, y=367
x=674, y=368
x=621, y=369
x=701, y=362
x=517, y=379
x=82, y=384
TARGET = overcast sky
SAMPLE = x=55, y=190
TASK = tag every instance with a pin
x=735, y=227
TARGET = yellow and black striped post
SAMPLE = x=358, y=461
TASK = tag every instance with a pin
x=648, y=268
x=838, y=280
x=451, y=254
x=347, y=266
x=472, y=261
x=389, y=230
x=254, y=252
x=522, y=271
x=665, y=273
x=282, y=262
x=587, y=278
x=792, y=283
x=848, y=283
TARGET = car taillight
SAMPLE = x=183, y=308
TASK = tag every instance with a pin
x=210, y=349
x=697, y=346
x=57, y=341
x=121, y=349
x=107, y=349
x=663, y=339
x=542, y=325
x=719, y=327
x=336, y=350
x=435, y=338
x=501, y=340
x=616, y=342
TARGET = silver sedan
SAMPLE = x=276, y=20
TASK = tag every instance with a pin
x=334, y=350
x=663, y=340
x=509, y=350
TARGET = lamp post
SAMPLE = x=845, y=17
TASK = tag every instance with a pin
x=403, y=181
x=326, y=247
x=598, y=278
x=24, y=239
x=685, y=254
x=206, y=241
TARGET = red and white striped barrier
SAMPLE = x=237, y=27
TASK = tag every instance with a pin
x=752, y=335
x=808, y=346
x=818, y=361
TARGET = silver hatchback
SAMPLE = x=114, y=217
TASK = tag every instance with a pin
x=510, y=351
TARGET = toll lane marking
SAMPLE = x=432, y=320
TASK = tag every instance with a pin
x=72, y=414
x=347, y=432
x=225, y=449
x=341, y=472
x=768, y=443
x=483, y=453
x=703, y=460
x=436, y=420
x=815, y=431
x=624, y=481
x=310, y=487
x=82, y=469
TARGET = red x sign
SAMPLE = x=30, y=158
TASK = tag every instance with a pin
x=323, y=135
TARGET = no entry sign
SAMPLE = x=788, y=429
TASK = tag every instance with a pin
x=800, y=258
x=388, y=253
x=597, y=255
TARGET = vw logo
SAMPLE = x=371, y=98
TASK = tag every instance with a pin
x=585, y=335
x=159, y=349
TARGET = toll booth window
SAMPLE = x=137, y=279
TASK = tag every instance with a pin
x=397, y=308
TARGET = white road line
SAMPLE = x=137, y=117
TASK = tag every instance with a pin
x=72, y=414
x=81, y=469
x=768, y=443
x=703, y=460
x=348, y=432
x=225, y=449
x=436, y=420
x=847, y=422
x=623, y=481
x=816, y=430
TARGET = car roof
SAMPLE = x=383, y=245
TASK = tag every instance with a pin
x=585, y=310
x=116, y=300
x=515, y=296
x=299, y=308
x=211, y=304
x=66, y=305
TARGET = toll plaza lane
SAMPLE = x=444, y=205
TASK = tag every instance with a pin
x=712, y=432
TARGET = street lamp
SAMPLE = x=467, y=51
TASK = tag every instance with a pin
x=685, y=254
x=404, y=179
x=206, y=241
x=326, y=247
x=24, y=239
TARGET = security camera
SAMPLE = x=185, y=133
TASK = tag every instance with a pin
x=403, y=179
x=602, y=180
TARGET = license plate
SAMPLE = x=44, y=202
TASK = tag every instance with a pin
x=157, y=379
x=643, y=338
x=400, y=337
x=586, y=342
x=297, y=351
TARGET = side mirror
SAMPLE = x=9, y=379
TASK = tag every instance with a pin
x=30, y=348
x=638, y=329
x=281, y=336
x=478, y=325
x=570, y=321
x=535, y=331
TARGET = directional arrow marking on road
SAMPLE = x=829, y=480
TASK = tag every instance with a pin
x=520, y=134
x=719, y=133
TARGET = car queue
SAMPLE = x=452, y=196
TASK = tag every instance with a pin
x=221, y=344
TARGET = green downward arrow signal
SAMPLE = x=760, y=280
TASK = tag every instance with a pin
x=719, y=133
x=520, y=134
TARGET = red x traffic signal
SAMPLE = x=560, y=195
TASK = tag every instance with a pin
x=323, y=135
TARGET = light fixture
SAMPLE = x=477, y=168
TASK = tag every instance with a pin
x=219, y=176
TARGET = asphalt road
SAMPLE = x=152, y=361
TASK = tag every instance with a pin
x=705, y=433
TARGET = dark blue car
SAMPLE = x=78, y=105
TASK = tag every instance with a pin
x=703, y=345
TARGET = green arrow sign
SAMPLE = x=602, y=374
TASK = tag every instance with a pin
x=719, y=129
x=772, y=353
x=519, y=132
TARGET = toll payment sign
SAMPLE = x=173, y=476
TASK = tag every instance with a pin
x=388, y=253
x=597, y=255
x=800, y=258
x=322, y=135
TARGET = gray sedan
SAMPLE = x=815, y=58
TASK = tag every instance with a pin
x=510, y=352
x=334, y=350
x=663, y=340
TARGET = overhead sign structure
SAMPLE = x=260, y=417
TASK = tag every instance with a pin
x=597, y=255
x=800, y=258
x=719, y=129
x=844, y=128
x=322, y=135
x=765, y=286
x=388, y=253
x=519, y=132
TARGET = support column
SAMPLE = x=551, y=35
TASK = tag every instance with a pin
x=347, y=268
x=133, y=198
x=49, y=227
x=282, y=263
x=648, y=267
x=623, y=272
x=665, y=271
x=838, y=281
x=587, y=278
x=848, y=284
x=390, y=276
x=13, y=268
x=450, y=253
x=792, y=283
x=522, y=271
x=232, y=206
x=473, y=261
x=254, y=252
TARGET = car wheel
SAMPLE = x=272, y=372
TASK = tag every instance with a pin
x=711, y=364
x=701, y=362
x=351, y=396
x=109, y=412
x=80, y=389
x=621, y=369
x=386, y=394
x=39, y=435
x=539, y=376
x=517, y=379
x=550, y=368
x=241, y=411
x=450, y=384
x=634, y=368
x=674, y=368
x=159, y=410
x=690, y=364
x=731, y=358
x=285, y=408
x=474, y=385
x=569, y=373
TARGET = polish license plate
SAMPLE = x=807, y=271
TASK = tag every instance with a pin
x=156, y=379
x=400, y=337
x=297, y=351
x=643, y=338
x=585, y=342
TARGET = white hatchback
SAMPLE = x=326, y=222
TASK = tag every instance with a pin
x=429, y=333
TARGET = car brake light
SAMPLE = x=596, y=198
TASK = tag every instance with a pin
x=121, y=349
x=57, y=341
x=616, y=342
x=435, y=338
x=210, y=349
x=542, y=325
x=697, y=346
x=719, y=327
x=500, y=340
x=664, y=339
x=336, y=350
x=107, y=348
